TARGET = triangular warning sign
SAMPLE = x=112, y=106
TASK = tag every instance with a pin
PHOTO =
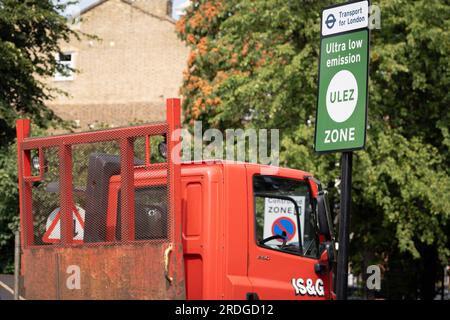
x=53, y=226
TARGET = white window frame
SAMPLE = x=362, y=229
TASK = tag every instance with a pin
x=71, y=64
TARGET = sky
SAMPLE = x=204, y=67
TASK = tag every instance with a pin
x=176, y=6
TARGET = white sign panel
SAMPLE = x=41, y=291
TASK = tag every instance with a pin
x=344, y=18
x=53, y=226
x=279, y=216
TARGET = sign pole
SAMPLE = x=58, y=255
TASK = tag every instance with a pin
x=344, y=226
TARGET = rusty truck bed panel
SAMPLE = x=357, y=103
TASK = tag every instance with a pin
x=107, y=272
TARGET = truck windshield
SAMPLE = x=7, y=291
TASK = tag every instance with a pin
x=277, y=225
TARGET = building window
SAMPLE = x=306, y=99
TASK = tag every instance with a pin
x=67, y=61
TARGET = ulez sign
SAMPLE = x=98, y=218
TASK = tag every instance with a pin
x=341, y=118
x=343, y=76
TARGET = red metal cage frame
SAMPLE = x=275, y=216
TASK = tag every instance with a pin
x=125, y=136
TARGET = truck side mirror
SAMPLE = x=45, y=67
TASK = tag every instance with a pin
x=327, y=258
x=324, y=221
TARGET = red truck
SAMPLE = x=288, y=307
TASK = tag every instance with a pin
x=102, y=218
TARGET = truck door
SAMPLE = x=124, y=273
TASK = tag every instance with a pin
x=283, y=247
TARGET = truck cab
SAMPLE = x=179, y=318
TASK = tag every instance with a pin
x=99, y=220
x=228, y=210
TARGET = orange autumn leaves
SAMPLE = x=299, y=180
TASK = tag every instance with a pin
x=193, y=28
x=198, y=17
x=203, y=98
x=213, y=59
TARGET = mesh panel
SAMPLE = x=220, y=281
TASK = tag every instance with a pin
x=155, y=142
x=140, y=149
x=45, y=199
x=151, y=214
x=97, y=198
x=93, y=165
x=152, y=218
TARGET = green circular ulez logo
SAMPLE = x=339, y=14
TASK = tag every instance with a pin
x=342, y=96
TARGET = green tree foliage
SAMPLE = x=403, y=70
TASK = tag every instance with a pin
x=30, y=34
x=9, y=206
x=254, y=64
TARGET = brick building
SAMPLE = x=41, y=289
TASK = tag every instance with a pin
x=127, y=73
